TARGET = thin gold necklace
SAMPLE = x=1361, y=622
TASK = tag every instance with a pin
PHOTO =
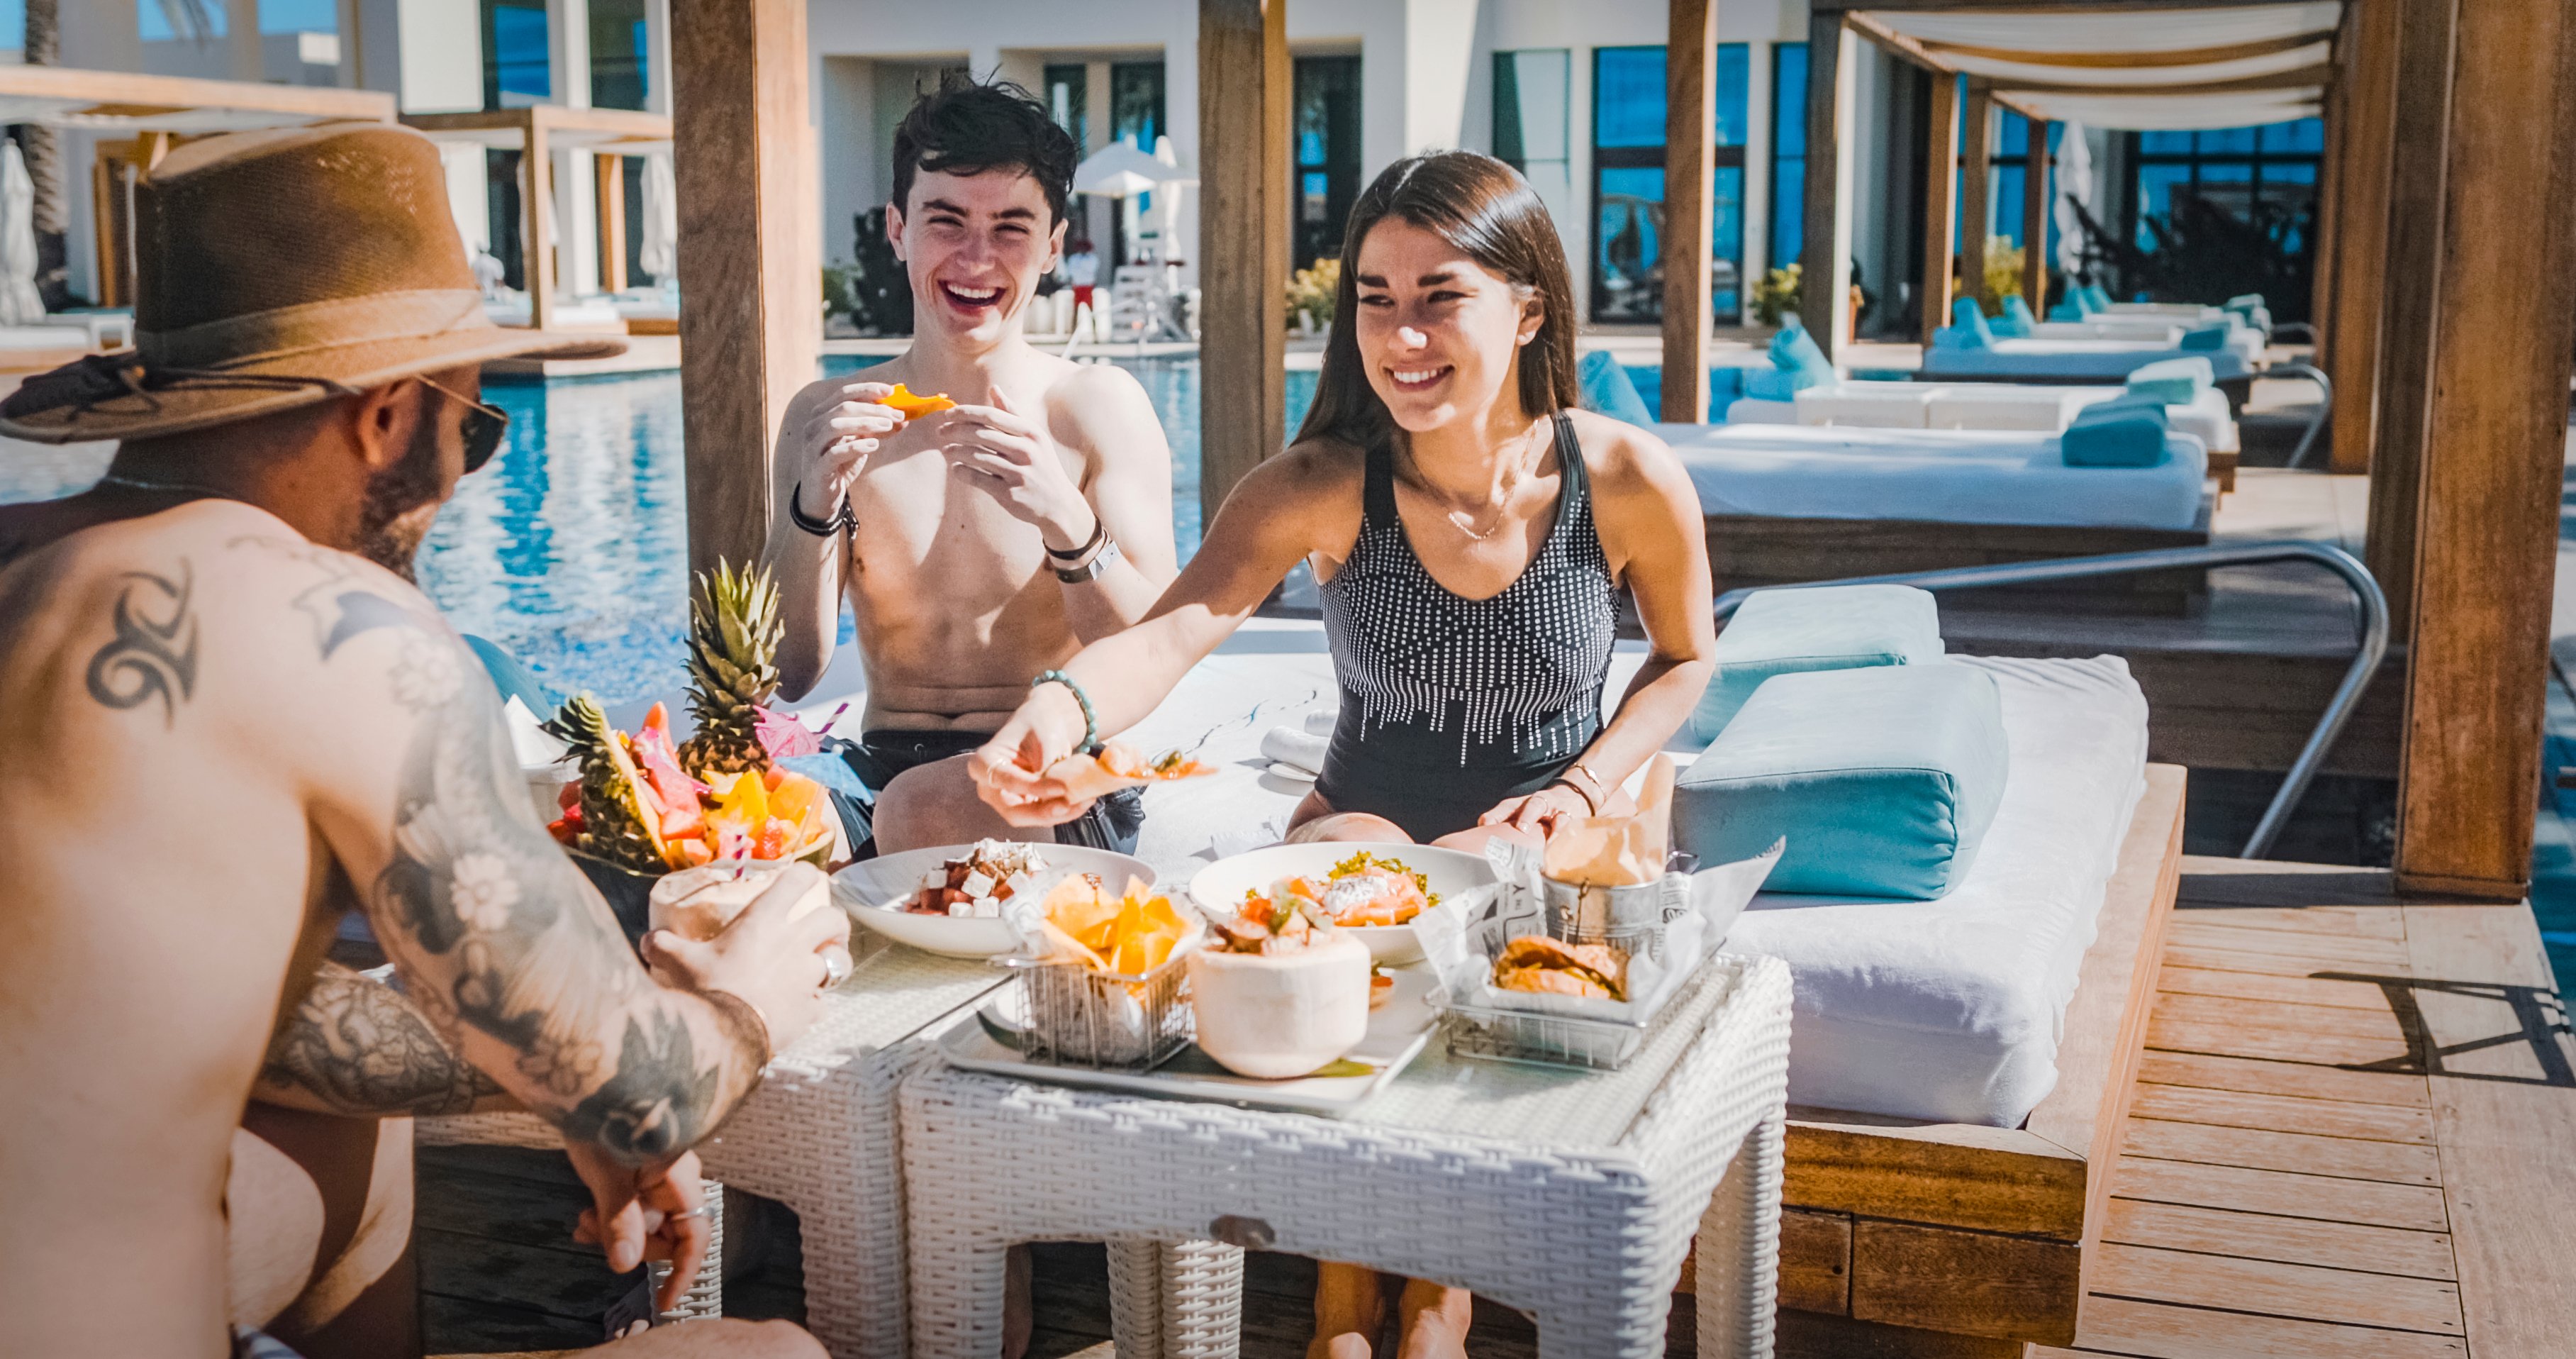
x=1461, y=521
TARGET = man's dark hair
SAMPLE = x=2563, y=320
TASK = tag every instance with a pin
x=966, y=127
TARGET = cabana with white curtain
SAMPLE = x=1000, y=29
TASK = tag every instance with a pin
x=536, y=132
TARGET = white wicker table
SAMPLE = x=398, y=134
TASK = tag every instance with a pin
x=820, y=1135
x=1570, y=1195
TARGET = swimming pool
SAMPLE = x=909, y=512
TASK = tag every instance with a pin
x=571, y=549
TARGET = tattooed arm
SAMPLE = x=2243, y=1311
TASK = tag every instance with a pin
x=357, y=1047
x=502, y=944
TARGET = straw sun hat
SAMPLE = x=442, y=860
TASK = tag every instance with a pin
x=276, y=269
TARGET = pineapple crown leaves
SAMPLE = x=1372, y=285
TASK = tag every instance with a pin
x=734, y=632
x=613, y=824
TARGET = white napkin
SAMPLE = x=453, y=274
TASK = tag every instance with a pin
x=1300, y=751
x=535, y=748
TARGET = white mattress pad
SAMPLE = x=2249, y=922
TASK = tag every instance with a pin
x=1974, y=405
x=1952, y=1010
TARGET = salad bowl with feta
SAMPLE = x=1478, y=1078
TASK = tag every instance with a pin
x=960, y=901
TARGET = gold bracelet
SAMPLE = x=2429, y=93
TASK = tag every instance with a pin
x=1591, y=807
x=1599, y=793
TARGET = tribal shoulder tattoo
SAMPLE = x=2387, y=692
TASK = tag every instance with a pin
x=153, y=656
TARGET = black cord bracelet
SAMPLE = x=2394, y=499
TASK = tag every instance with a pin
x=842, y=521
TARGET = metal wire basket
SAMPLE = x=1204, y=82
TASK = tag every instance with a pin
x=1490, y=1033
x=1080, y=1016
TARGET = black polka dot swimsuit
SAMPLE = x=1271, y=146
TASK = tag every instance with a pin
x=1451, y=705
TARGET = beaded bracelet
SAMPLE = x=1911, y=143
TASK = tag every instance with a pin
x=1090, y=719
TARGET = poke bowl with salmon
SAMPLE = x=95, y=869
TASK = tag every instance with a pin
x=1376, y=892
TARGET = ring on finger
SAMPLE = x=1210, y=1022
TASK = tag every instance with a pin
x=836, y=967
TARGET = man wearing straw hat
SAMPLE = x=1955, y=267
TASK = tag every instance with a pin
x=226, y=717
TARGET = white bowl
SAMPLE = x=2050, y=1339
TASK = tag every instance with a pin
x=1284, y=1016
x=874, y=891
x=1219, y=888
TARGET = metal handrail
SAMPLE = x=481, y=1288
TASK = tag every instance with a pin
x=2330, y=724
x=2325, y=408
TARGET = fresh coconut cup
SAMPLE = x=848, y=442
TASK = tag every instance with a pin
x=1280, y=1015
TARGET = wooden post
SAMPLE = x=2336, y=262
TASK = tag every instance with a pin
x=2034, y=220
x=1976, y=191
x=2490, y=484
x=752, y=332
x=1690, y=131
x=610, y=171
x=536, y=199
x=1824, y=292
x=2418, y=160
x=1243, y=240
x=1940, y=201
x=2369, y=108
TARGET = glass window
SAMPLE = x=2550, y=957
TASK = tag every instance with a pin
x=1734, y=91
x=2156, y=187
x=1324, y=130
x=1136, y=103
x=1788, y=152
x=152, y=21
x=1627, y=96
x=2006, y=200
x=1726, y=239
x=2307, y=135
x=1068, y=100
x=2227, y=139
x=515, y=70
x=1627, y=259
x=617, y=59
x=1532, y=94
x=287, y=16
x=2165, y=143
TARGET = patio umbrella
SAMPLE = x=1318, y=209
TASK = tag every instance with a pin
x=19, y=303
x=1122, y=170
x=661, y=244
x=2074, y=185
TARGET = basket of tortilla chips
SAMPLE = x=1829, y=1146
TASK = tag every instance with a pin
x=1101, y=979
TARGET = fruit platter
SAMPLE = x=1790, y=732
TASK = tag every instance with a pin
x=645, y=805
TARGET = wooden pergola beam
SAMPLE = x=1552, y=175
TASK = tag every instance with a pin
x=1824, y=292
x=2180, y=56
x=536, y=195
x=1690, y=117
x=751, y=334
x=2418, y=159
x=1976, y=191
x=128, y=94
x=2367, y=112
x=1940, y=201
x=1243, y=240
x=2488, y=496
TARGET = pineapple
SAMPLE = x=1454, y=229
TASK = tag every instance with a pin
x=733, y=670
x=617, y=824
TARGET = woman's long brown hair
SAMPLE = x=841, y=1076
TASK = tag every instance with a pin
x=1484, y=208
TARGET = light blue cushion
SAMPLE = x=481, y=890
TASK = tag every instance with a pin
x=2126, y=431
x=2016, y=321
x=2174, y=382
x=2204, y=337
x=1606, y=389
x=1883, y=779
x=2244, y=302
x=2094, y=298
x=1824, y=627
x=513, y=678
x=2068, y=310
x=1968, y=317
x=1793, y=350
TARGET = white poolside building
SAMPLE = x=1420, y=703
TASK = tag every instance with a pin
x=1572, y=93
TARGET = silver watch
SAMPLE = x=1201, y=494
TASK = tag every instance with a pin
x=1091, y=568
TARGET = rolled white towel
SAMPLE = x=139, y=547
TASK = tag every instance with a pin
x=1300, y=750
x=1320, y=721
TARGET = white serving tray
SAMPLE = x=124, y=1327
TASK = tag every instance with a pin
x=1397, y=1032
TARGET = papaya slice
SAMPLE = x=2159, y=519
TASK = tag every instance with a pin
x=913, y=404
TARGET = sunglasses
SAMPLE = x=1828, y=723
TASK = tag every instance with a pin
x=482, y=429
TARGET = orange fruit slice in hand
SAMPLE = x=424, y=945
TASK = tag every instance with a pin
x=913, y=404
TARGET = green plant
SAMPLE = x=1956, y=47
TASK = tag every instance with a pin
x=1312, y=291
x=838, y=297
x=1776, y=296
x=2003, y=273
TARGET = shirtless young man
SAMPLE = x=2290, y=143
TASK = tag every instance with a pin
x=227, y=717
x=979, y=545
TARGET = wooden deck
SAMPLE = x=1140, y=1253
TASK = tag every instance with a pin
x=2353, y=1134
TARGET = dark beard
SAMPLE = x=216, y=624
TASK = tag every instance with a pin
x=384, y=536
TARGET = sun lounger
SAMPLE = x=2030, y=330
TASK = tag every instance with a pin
x=2036, y=1005
x=1790, y=504
x=1985, y=405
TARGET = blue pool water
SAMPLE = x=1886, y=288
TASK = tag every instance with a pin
x=571, y=549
